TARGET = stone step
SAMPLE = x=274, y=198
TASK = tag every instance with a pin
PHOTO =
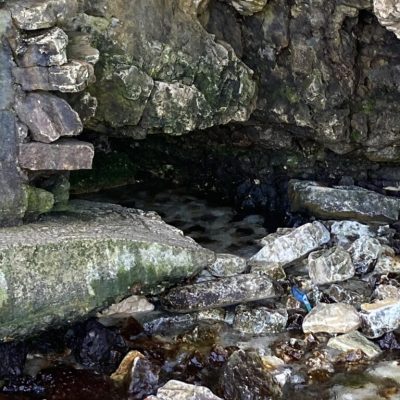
x=63, y=155
x=48, y=117
x=67, y=265
x=45, y=50
x=68, y=78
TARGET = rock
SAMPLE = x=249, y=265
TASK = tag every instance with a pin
x=319, y=365
x=364, y=253
x=386, y=370
x=332, y=318
x=345, y=232
x=363, y=391
x=354, y=341
x=386, y=264
x=45, y=50
x=13, y=357
x=122, y=375
x=177, y=390
x=144, y=378
x=68, y=78
x=162, y=323
x=380, y=317
x=333, y=265
x=352, y=291
x=383, y=292
x=40, y=14
x=245, y=377
x=220, y=293
x=260, y=320
x=130, y=307
x=95, y=346
x=293, y=246
x=248, y=7
x=80, y=48
x=39, y=201
x=83, y=258
x=227, y=265
x=62, y=155
x=388, y=13
x=342, y=202
x=48, y=117
x=273, y=270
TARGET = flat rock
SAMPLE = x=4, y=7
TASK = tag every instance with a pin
x=354, y=341
x=227, y=265
x=177, y=390
x=71, y=263
x=40, y=14
x=68, y=78
x=342, y=202
x=327, y=266
x=380, y=317
x=294, y=245
x=220, y=293
x=48, y=117
x=63, y=155
x=259, y=320
x=45, y=50
x=332, y=318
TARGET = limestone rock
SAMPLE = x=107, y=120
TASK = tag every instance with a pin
x=386, y=264
x=68, y=78
x=46, y=49
x=342, y=202
x=380, y=317
x=63, y=155
x=220, y=293
x=69, y=264
x=388, y=13
x=364, y=253
x=246, y=377
x=354, y=341
x=352, y=291
x=40, y=14
x=294, y=245
x=80, y=48
x=227, y=265
x=48, y=117
x=331, y=318
x=383, y=292
x=259, y=320
x=333, y=265
x=248, y=7
x=177, y=390
x=274, y=270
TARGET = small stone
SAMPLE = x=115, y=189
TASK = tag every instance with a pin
x=274, y=271
x=380, y=317
x=387, y=264
x=68, y=78
x=332, y=318
x=177, y=390
x=39, y=201
x=319, y=366
x=248, y=7
x=63, y=155
x=216, y=314
x=354, y=341
x=144, y=378
x=40, y=14
x=246, y=377
x=48, y=117
x=165, y=323
x=333, y=265
x=383, y=292
x=364, y=253
x=227, y=265
x=45, y=50
x=342, y=202
x=353, y=292
x=122, y=374
x=293, y=246
x=259, y=320
x=220, y=293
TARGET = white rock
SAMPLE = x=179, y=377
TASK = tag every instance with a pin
x=386, y=370
x=332, y=318
x=345, y=232
x=354, y=341
x=227, y=265
x=327, y=266
x=380, y=317
x=388, y=13
x=364, y=253
x=248, y=7
x=294, y=245
x=177, y=390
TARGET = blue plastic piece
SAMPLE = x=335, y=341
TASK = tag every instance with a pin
x=302, y=297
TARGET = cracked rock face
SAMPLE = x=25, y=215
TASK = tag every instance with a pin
x=172, y=80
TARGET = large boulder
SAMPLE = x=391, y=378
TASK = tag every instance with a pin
x=159, y=69
x=342, y=202
x=67, y=265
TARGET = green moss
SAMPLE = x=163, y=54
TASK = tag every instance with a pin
x=39, y=201
x=109, y=170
